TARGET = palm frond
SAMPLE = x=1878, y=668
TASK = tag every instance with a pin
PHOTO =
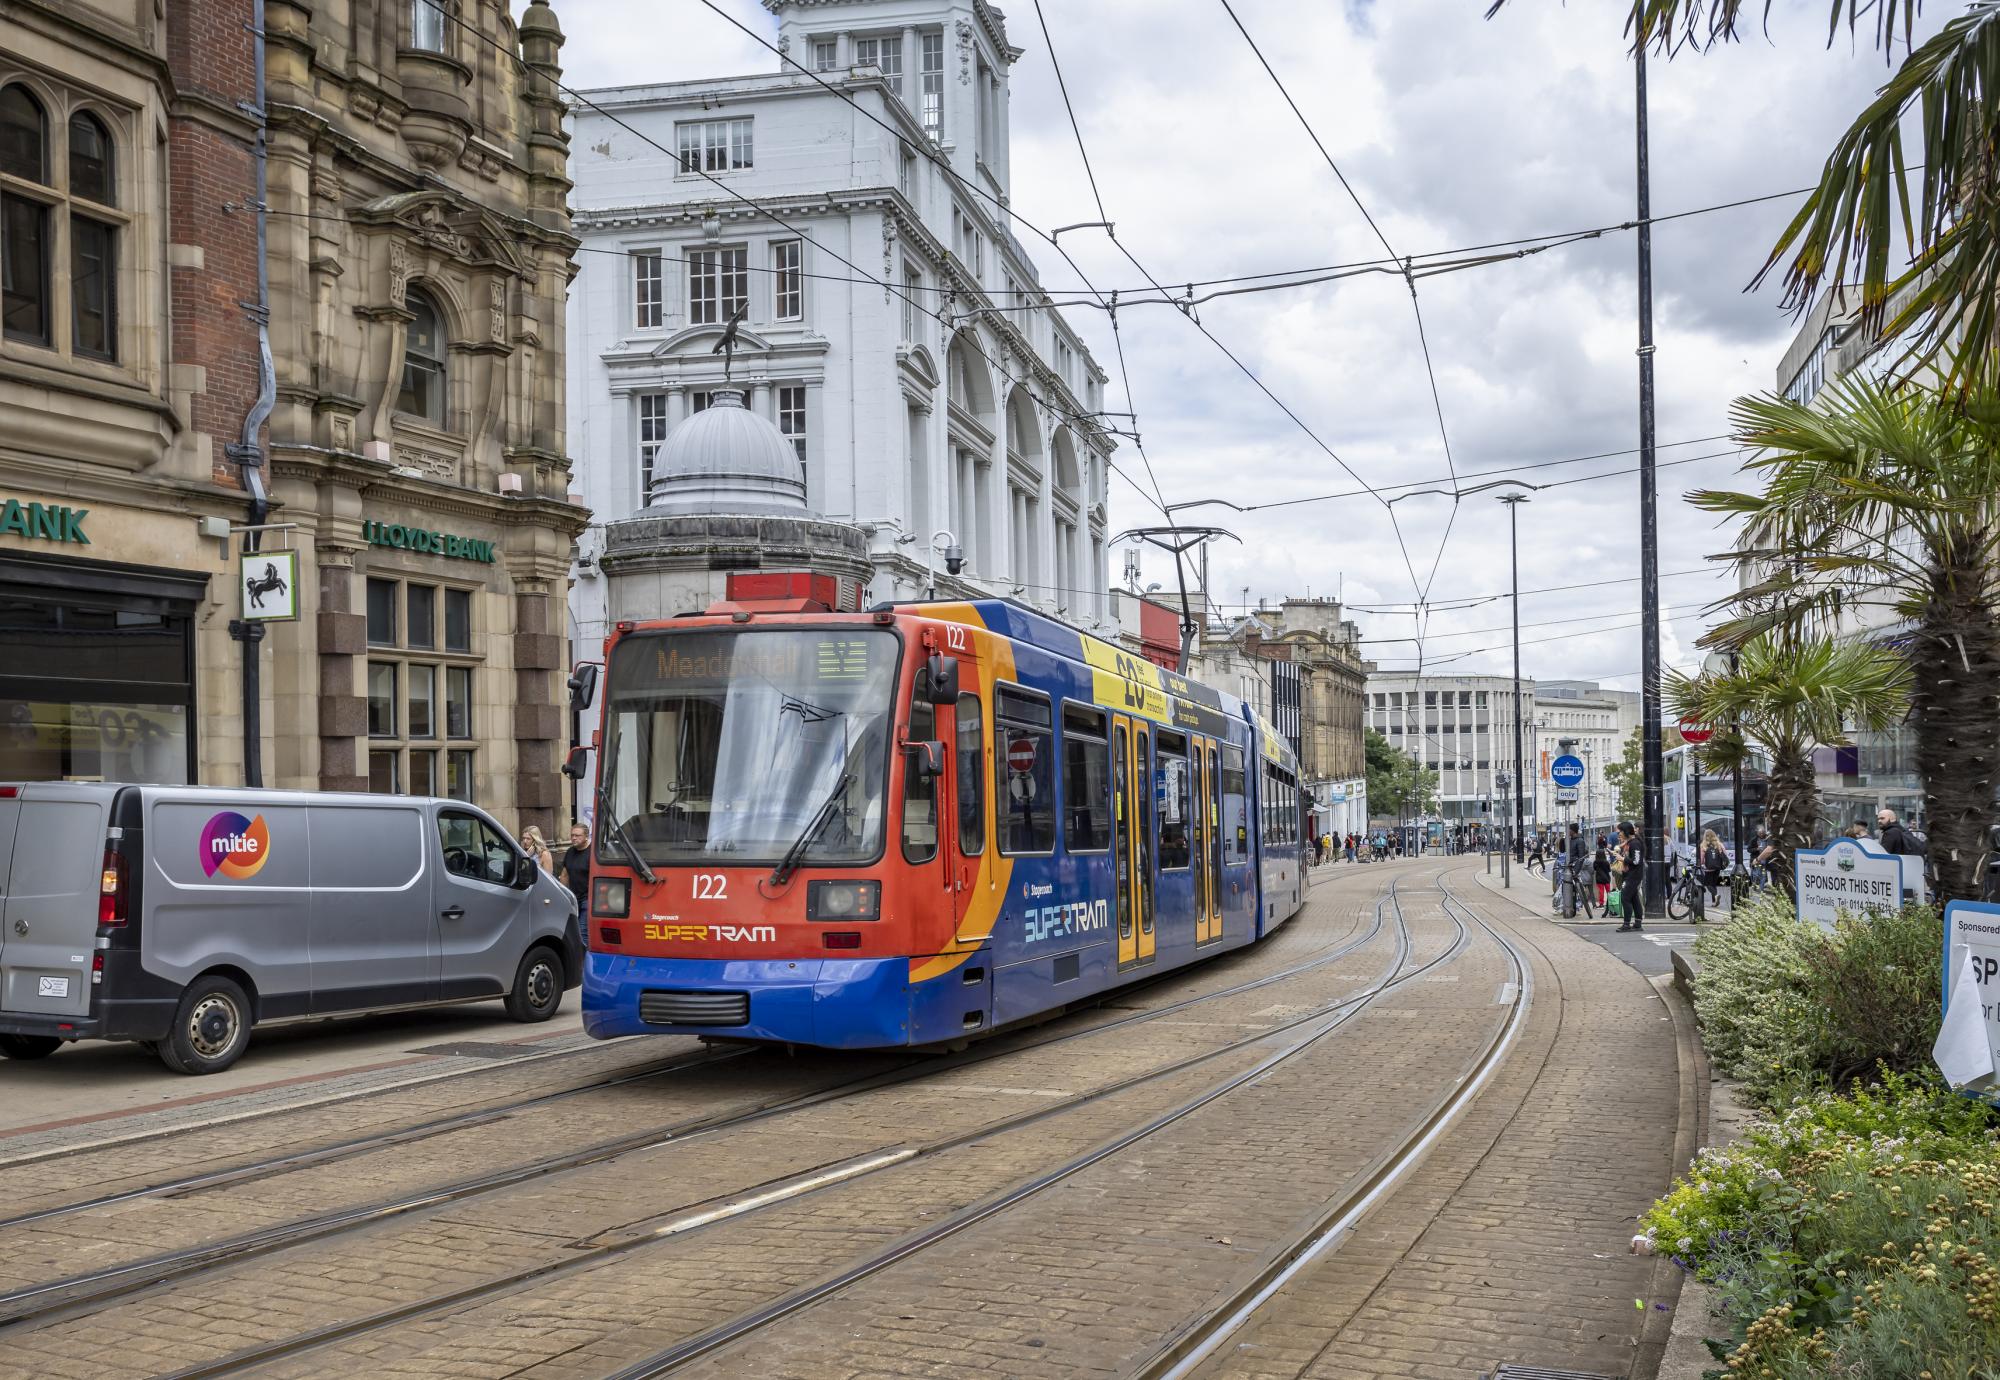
x=1671, y=25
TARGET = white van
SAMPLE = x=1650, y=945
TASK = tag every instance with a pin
x=181, y=916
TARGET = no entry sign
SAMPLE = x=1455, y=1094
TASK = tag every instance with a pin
x=1021, y=755
x=1696, y=732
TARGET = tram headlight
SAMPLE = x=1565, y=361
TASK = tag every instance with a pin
x=840, y=900
x=611, y=897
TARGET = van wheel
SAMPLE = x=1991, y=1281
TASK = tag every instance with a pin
x=538, y=986
x=210, y=1029
x=29, y=1046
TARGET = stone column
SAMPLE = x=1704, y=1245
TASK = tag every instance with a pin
x=538, y=719
x=343, y=641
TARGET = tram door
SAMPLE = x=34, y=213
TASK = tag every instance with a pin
x=1207, y=846
x=1131, y=846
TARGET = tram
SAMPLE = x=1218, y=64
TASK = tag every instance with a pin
x=914, y=825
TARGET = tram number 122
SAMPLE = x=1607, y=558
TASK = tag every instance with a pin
x=708, y=886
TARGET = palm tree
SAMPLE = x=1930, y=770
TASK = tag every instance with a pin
x=1793, y=696
x=1854, y=225
x=1884, y=496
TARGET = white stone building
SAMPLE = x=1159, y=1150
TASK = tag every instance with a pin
x=904, y=425
x=1599, y=721
x=1461, y=727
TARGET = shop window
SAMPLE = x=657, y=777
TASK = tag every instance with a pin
x=423, y=701
x=457, y=620
x=381, y=699
x=382, y=613
x=423, y=391
x=458, y=702
x=1086, y=780
x=416, y=699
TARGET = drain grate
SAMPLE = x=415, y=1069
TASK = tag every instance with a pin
x=476, y=1049
x=1513, y=1372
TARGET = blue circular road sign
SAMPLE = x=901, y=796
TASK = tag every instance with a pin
x=1566, y=770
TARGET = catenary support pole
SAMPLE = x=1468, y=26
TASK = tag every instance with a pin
x=1514, y=502
x=1653, y=769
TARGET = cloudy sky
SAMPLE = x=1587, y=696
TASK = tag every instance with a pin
x=1454, y=131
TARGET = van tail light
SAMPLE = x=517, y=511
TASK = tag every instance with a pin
x=111, y=890
x=97, y=969
x=842, y=939
x=9, y=792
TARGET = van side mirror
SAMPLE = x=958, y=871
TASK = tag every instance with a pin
x=583, y=685
x=926, y=760
x=937, y=683
x=524, y=872
x=577, y=765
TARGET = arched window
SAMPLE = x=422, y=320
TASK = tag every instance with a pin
x=91, y=171
x=423, y=393
x=93, y=243
x=25, y=250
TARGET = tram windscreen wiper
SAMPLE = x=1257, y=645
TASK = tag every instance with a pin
x=823, y=816
x=610, y=827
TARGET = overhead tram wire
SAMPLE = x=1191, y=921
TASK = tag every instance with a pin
x=1475, y=600
x=937, y=159
x=1131, y=258
x=1409, y=280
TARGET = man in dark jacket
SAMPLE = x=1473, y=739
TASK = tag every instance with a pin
x=1577, y=856
x=1632, y=886
x=1894, y=837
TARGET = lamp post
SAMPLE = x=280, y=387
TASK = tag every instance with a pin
x=1514, y=502
x=1653, y=770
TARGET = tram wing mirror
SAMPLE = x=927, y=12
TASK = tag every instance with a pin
x=577, y=765
x=583, y=685
x=926, y=760
x=937, y=683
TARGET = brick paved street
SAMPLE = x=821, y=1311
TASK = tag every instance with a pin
x=587, y=1269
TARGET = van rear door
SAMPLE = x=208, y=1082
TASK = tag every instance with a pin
x=48, y=900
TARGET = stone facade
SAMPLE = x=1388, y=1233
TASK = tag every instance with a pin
x=1462, y=727
x=127, y=367
x=419, y=254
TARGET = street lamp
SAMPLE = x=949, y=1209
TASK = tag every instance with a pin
x=1514, y=502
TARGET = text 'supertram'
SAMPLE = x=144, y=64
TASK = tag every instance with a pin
x=912, y=825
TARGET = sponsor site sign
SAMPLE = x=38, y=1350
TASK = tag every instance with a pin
x=1847, y=876
x=1968, y=1047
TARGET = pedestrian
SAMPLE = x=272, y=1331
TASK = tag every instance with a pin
x=1714, y=862
x=537, y=847
x=1353, y=844
x=1600, y=872
x=1575, y=859
x=1894, y=836
x=1857, y=830
x=576, y=867
x=1632, y=879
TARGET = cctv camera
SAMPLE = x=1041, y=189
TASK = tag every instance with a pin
x=954, y=558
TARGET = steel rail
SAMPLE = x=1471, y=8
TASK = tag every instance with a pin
x=79, y=1294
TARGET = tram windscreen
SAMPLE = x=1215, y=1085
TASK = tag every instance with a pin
x=727, y=746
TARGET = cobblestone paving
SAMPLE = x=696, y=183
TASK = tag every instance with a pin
x=1510, y=1242
x=397, y=1262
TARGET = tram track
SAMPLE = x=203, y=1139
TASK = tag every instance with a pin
x=1185, y=1353
x=80, y=1294
x=355, y=1147
x=1328, y=1017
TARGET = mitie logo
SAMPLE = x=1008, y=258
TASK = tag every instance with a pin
x=234, y=846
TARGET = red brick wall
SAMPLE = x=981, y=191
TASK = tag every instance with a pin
x=212, y=56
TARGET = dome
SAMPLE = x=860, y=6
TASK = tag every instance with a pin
x=727, y=459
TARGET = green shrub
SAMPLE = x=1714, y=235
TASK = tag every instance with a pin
x=1784, y=1005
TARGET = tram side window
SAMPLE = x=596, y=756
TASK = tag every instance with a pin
x=1086, y=780
x=920, y=805
x=971, y=778
x=1171, y=787
x=1023, y=750
x=1235, y=807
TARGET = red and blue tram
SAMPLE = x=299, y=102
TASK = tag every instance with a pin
x=914, y=825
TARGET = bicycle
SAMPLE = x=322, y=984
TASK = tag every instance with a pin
x=1687, y=897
